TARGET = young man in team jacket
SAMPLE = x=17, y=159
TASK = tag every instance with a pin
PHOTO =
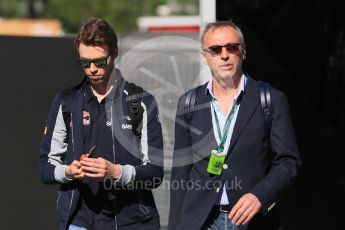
x=103, y=143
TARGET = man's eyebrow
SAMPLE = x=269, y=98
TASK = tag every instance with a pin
x=93, y=58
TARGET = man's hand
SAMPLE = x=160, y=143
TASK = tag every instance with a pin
x=245, y=208
x=100, y=168
x=74, y=171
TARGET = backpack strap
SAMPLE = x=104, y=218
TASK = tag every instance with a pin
x=189, y=103
x=134, y=108
x=136, y=114
x=266, y=104
x=66, y=111
x=64, y=96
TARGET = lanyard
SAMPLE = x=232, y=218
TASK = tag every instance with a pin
x=229, y=120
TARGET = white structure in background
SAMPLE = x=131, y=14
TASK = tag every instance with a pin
x=207, y=12
x=170, y=20
x=169, y=23
x=207, y=15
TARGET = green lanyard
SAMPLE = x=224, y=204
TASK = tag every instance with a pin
x=228, y=121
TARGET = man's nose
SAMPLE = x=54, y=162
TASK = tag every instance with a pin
x=93, y=67
x=224, y=54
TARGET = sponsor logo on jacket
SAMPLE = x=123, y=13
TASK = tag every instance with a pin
x=86, y=118
x=126, y=126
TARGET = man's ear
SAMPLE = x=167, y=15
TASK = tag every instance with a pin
x=115, y=53
x=244, y=55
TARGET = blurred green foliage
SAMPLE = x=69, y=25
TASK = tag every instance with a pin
x=121, y=14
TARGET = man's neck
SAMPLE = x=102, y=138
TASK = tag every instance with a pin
x=103, y=93
x=226, y=92
x=102, y=90
x=227, y=89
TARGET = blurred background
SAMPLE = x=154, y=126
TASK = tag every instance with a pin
x=68, y=15
x=297, y=46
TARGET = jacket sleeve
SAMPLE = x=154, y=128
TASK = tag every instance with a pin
x=53, y=147
x=150, y=172
x=285, y=157
x=181, y=166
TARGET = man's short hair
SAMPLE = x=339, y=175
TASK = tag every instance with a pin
x=221, y=24
x=97, y=32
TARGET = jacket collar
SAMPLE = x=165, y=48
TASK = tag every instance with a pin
x=249, y=103
x=77, y=109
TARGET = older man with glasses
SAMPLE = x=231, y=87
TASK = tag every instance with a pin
x=235, y=151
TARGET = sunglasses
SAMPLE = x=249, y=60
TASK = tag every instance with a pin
x=217, y=50
x=99, y=62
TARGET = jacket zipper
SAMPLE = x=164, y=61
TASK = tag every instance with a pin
x=112, y=136
x=72, y=134
x=71, y=200
x=58, y=198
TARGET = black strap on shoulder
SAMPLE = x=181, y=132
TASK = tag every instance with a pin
x=266, y=104
x=136, y=114
x=189, y=104
x=134, y=108
x=66, y=111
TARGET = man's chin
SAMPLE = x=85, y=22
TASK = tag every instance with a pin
x=230, y=75
x=99, y=80
x=227, y=75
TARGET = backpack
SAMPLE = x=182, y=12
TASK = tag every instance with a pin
x=265, y=98
x=133, y=103
x=134, y=108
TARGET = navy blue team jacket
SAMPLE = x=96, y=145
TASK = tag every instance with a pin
x=134, y=203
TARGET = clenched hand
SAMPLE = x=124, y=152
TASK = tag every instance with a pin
x=74, y=171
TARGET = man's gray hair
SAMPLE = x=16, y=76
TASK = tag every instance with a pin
x=221, y=24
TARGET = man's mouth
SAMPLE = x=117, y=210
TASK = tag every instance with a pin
x=226, y=66
x=94, y=77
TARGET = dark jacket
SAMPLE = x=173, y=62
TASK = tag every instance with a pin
x=134, y=203
x=260, y=161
